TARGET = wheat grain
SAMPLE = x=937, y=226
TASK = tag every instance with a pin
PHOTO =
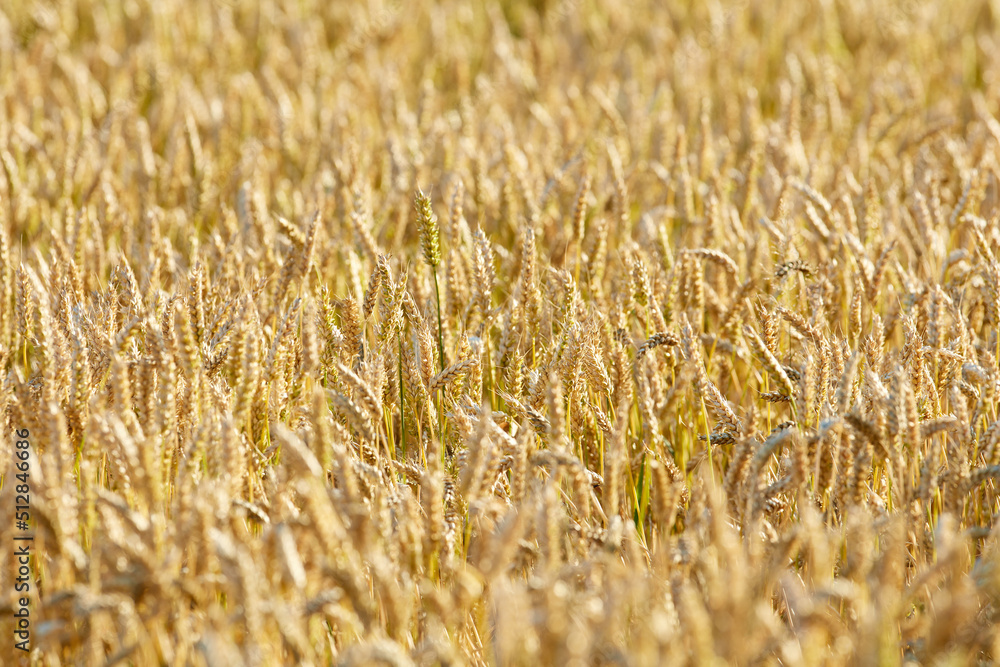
x=247, y=447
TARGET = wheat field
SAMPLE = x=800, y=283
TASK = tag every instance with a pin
x=460, y=333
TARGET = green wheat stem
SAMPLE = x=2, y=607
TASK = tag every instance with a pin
x=402, y=411
x=437, y=296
